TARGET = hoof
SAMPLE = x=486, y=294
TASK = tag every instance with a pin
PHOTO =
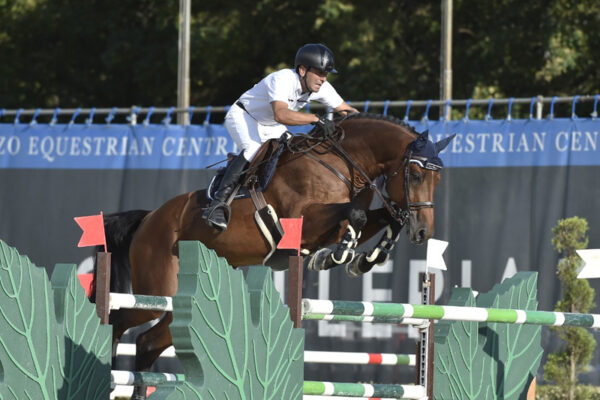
x=318, y=261
x=353, y=267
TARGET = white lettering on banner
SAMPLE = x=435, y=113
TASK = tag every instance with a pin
x=74, y=151
x=196, y=145
x=538, y=141
x=168, y=141
x=33, y=145
x=498, y=142
x=573, y=141
x=99, y=141
x=469, y=139
x=51, y=147
x=61, y=146
x=372, y=294
x=209, y=142
x=12, y=146
x=47, y=148
x=87, y=146
x=221, y=143
x=483, y=137
x=112, y=146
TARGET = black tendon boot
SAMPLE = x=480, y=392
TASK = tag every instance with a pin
x=215, y=213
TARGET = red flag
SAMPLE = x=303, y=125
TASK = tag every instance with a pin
x=292, y=233
x=86, y=282
x=93, y=230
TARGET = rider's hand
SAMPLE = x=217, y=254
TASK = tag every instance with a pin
x=326, y=125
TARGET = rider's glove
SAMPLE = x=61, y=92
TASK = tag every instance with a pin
x=326, y=125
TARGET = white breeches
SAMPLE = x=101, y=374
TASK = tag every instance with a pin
x=247, y=133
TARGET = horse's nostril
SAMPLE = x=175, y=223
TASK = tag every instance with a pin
x=422, y=235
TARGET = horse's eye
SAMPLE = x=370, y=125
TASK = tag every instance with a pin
x=416, y=177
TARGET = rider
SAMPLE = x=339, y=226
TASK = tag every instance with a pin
x=263, y=112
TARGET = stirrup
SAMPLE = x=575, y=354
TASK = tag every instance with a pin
x=208, y=215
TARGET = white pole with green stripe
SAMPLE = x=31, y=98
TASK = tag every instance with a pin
x=314, y=308
x=364, y=390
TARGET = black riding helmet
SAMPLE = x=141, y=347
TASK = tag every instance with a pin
x=315, y=55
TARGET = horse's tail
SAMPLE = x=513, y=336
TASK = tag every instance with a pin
x=119, y=229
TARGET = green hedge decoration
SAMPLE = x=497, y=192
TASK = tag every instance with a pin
x=489, y=360
x=52, y=345
x=233, y=337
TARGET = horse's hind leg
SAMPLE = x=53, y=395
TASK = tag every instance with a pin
x=149, y=346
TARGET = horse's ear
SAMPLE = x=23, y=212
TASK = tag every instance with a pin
x=441, y=145
x=421, y=141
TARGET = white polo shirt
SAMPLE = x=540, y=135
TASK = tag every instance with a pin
x=284, y=85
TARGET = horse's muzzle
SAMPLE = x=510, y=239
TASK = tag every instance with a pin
x=418, y=231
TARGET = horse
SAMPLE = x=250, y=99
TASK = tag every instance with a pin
x=329, y=180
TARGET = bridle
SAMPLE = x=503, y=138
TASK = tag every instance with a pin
x=399, y=214
x=402, y=216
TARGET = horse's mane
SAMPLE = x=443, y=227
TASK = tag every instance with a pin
x=304, y=142
x=381, y=117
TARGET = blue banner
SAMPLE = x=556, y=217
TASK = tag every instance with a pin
x=494, y=143
x=518, y=143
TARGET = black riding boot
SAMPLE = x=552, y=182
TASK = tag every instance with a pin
x=215, y=213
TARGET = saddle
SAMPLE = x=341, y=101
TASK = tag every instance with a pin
x=257, y=180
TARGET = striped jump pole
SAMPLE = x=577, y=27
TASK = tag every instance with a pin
x=128, y=378
x=448, y=313
x=129, y=349
x=365, y=318
x=364, y=390
x=317, y=357
x=334, y=357
x=140, y=302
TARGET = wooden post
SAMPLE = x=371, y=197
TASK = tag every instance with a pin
x=103, y=286
x=295, y=273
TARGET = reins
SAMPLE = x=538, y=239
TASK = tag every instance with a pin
x=395, y=211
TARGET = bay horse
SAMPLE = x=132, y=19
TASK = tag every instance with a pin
x=330, y=181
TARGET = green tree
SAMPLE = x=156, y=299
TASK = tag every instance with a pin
x=564, y=366
x=102, y=53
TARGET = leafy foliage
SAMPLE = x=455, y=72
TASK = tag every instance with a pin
x=234, y=338
x=495, y=360
x=123, y=53
x=564, y=366
x=52, y=344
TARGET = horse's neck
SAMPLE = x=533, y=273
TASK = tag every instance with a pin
x=379, y=151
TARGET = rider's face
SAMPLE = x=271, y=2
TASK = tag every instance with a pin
x=314, y=79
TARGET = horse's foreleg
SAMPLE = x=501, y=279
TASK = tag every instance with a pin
x=346, y=243
x=364, y=262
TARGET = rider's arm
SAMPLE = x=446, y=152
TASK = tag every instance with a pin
x=345, y=107
x=285, y=116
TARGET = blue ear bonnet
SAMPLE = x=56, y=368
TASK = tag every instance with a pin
x=426, y=152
